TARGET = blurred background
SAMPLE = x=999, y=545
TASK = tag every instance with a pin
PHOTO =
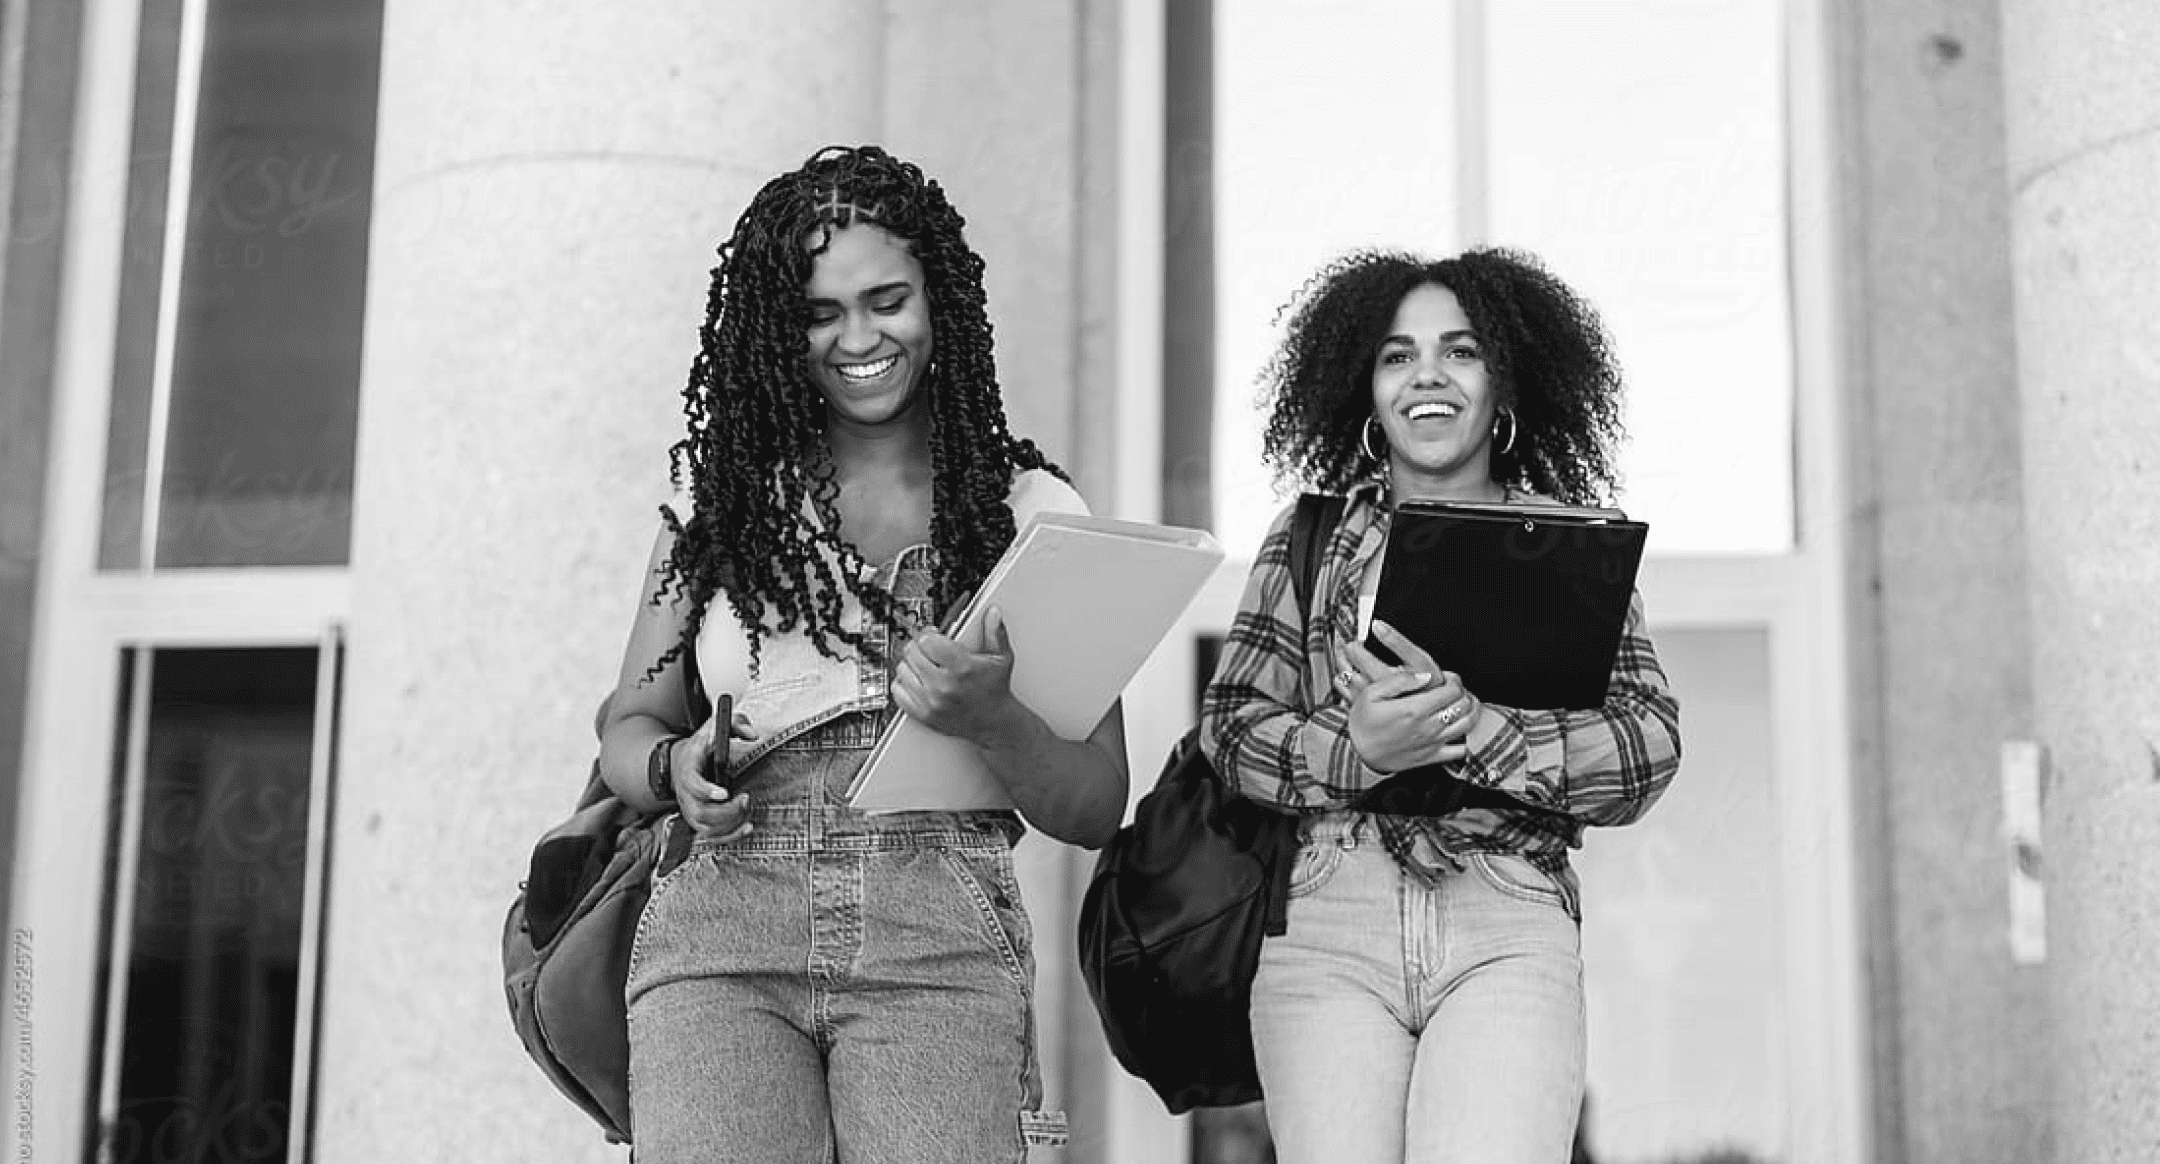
x=341, y=341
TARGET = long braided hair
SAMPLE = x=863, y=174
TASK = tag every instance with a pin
x=764, y=528
x=1543, y=344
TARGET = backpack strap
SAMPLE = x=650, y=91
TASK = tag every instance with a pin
x=1311, y=528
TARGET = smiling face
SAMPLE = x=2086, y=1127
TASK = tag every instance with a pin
x=1435, y=400
x=869, y=326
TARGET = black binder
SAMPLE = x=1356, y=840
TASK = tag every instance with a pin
x=1525, y=602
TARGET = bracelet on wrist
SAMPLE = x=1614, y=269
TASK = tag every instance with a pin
x=660, y=769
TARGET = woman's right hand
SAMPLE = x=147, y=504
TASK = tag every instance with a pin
x=710, y=808
x=1408, y=716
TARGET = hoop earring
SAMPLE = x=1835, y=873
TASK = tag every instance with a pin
x=1366, y=442
x=1512, y=429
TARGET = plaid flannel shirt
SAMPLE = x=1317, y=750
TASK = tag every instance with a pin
x=1274, y=724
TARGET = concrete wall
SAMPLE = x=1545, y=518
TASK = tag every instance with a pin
x=2083, y=101
x=551, y=187
x=1937, y=585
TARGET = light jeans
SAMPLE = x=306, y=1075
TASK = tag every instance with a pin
x=835, y=986
x=1397, y=1021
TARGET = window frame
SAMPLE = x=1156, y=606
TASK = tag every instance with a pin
x=86, y=617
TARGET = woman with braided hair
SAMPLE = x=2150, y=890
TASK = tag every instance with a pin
x=1426, y=1001
x=810, y=983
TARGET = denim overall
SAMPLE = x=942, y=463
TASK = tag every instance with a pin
x=835, y=985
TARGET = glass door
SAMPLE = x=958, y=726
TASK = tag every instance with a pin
x=213, y=902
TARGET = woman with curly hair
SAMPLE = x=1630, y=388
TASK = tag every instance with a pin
x=809, y=982
x=1426, y=1002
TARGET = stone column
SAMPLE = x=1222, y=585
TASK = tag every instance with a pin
x=1935, y=551
x=2083, y=115
x=552, y=181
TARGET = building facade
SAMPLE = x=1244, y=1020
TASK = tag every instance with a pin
x=340, y=342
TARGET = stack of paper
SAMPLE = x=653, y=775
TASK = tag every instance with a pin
x=1085, y=601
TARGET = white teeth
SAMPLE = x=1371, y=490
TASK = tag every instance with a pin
x=1421, y=411
x=869, y=371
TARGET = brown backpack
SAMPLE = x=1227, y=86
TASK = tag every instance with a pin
x=566, y=943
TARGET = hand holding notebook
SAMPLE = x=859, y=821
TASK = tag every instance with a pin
x=1083, y=602
x=958, y=680
x=1524, y=604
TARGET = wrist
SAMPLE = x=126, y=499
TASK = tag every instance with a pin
x=1008, y=728
x=1375, y=765
x=1374, y=773
x=660, y=769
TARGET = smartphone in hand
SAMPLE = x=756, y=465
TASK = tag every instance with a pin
x=723, y=736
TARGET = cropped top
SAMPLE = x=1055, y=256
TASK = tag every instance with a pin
x=796, y=687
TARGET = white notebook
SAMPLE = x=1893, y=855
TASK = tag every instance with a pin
x=1085, y=600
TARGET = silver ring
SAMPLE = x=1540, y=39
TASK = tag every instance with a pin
x=1345, y=677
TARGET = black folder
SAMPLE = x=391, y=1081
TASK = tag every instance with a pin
x=1525, y=602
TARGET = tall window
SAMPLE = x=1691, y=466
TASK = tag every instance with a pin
x=1639, y=147
x=237, y=360
x=229, y=453
x=1644, y=166
x=1321, y=147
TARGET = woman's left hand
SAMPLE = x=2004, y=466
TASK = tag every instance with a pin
x=961, y=687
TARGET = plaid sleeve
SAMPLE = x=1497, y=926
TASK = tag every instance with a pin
x=1603, y=767
x=1253, y=725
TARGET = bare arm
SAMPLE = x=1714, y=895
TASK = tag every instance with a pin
x=1073, y=790
x=649, y=706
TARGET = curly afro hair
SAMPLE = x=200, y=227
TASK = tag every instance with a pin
x=1544, y=348
x=754, y=458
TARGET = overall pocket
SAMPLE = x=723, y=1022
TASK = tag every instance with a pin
x=987, y=881
x=683, y=857
x=676, y=844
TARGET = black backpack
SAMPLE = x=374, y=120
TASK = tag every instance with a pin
x=1181, y=898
